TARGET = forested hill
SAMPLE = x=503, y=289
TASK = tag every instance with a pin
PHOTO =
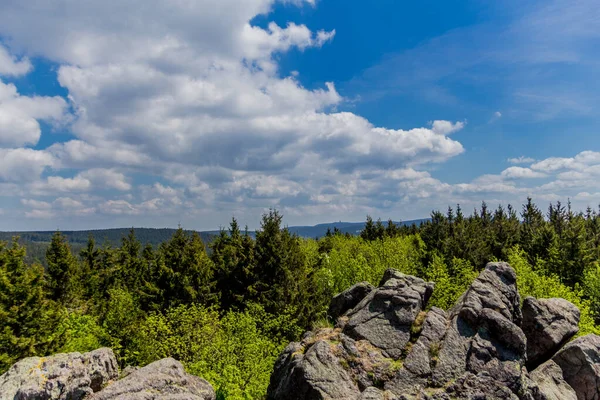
x=156, y=236
x=103, y=236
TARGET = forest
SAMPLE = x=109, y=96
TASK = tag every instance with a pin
x=227, y=312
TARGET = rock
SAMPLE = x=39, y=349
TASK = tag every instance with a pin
x=70, y=376
x=424, y=352
x=162, y=380
x=388, y=347
x=317, y=374
x=480, y=386
x=580, y=364
x=548, y=325
x=386, y=315
x=550, y=384
x=484, y=333
x=495, y=289
x=348, y=299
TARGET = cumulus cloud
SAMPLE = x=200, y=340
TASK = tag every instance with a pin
x=19, y=115
x=23, y=165
x=11, y=66
x=519, y=172
x=188, y=96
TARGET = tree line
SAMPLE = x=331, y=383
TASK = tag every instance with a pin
x=226, y=313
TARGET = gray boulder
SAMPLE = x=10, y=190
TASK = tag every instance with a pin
x=484, y=334
x=348, y=299
x=550, y=384
x=162, y=380
x=548, y=325
x=311, y=372
x=70, y=376
x=580, y=364
x=386, y=315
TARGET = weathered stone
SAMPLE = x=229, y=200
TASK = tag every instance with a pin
x=550, y=384
x=386, y=315
x=162, y=380
x=580, y=364
x=70, y=376
x=495, y=288
x=548, y=325
x=315, y=375
x=348, y=299
x=386, y=347
x=480, y=386
x=425, y=351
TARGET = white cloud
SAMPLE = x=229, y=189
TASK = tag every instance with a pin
x=521, y=160
x=19, y=115
x=11, y=66
x=42, y=205
x=520, y=172
x=446, y=127
x=23, y=165
x=106, y=179
x=189, y=94
x=40, y=214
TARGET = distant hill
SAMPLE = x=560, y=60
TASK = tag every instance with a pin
x=353, y=228
x=36, y=242
x=103, y=236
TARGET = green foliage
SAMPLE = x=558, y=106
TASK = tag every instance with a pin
x=353, y=259
x=81, y=332
x=26, y=316
x=230, y=352
x=62, y=270
x=185, y=271
x=450, y=281
x=531, y=283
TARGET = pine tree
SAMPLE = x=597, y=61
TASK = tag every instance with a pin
x=186, y=271
x=62, y=270
x=26, y=317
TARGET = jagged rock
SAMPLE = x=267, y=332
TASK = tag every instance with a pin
x=550, y=384
x=162, y=380
x=385, y=316
x=548, y=325
x=484, y=333
x=348, y=299
x=316, y=374
x=387, y=347
x=478, y=386
x=580, y=364
x=70, y=376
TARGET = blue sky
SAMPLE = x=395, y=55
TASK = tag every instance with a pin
x=153, y=113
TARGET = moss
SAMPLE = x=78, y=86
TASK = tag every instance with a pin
x=417, y=326
x=434, y=352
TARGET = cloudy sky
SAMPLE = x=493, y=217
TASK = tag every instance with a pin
x=118, y=113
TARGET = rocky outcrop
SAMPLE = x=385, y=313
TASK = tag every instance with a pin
x=548, y=325
x=348, y=299
x=390, y=346
x=70, y=376
x=162, y=380
x=76, y=376
x=580, y=364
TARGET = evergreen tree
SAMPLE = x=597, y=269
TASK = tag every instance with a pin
x=62, y=270
x=26, y=317
x=186, y=271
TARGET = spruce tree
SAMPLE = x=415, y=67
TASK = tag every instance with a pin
x=62, y=270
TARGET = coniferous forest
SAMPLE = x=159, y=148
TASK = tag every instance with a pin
x=228, y=311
